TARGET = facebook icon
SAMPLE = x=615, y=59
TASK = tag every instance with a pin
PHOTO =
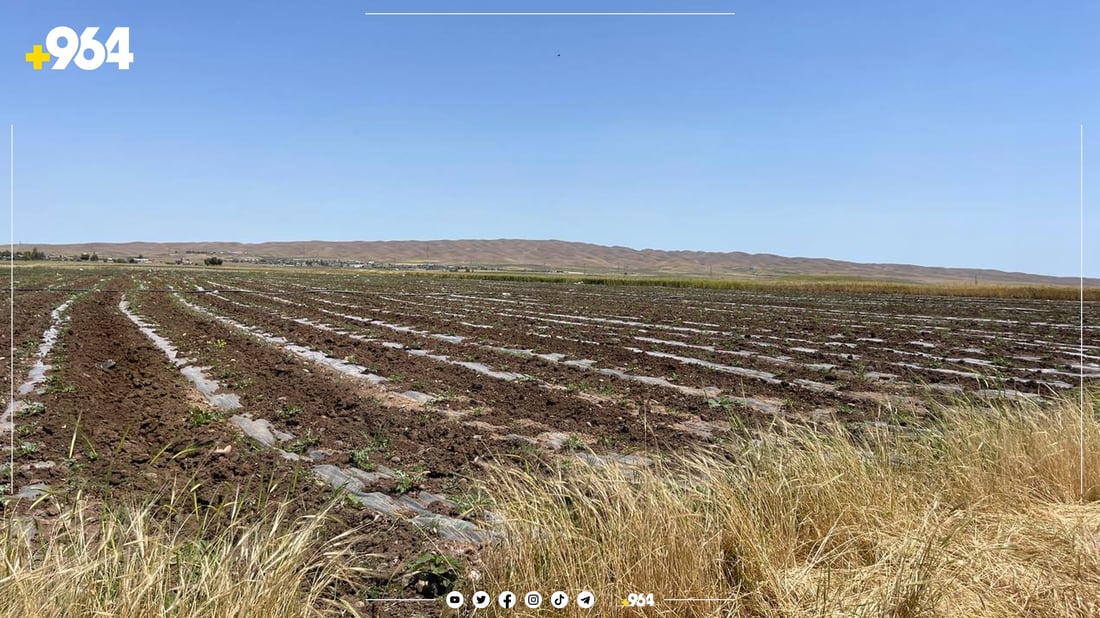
x=506, y=600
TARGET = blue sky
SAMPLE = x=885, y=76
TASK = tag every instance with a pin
x=940, y=133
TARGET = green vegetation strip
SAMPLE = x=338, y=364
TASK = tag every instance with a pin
x=840, y=285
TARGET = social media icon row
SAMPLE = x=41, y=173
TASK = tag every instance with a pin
x=509, y=600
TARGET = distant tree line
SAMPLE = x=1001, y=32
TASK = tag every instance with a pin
x=33, y=254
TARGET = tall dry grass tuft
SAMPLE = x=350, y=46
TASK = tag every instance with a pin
x=169, y=558
x=977, y=514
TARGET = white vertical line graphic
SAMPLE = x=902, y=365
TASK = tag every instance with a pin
x=1081, y=360
x=11, y=319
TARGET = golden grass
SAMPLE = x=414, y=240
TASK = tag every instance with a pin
x=979, y=516
x=166, y=558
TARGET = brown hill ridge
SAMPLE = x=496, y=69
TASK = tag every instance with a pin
x=555, y=254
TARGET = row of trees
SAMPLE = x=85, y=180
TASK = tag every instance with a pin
x=33, y=254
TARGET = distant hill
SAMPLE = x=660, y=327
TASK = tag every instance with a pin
x=555, y=254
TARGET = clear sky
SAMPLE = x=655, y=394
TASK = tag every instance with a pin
x=941, y=133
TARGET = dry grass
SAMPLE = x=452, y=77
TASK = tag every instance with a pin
x=979, y=516
x=169, y=558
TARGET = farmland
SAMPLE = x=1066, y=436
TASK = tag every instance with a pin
x=405, y=390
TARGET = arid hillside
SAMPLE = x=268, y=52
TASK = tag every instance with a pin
x=554, y=254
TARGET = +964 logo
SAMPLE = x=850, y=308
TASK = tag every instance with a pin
x=64, y=47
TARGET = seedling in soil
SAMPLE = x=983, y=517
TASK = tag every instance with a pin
x=360, y=458
x=471, y=502
x=526, y=449
x=373, y=591
x=440, y=400
x=27, y=448
x=861, y=372
x=203, y=416
x=26, y=429
x=54, y=384
x=406, y=482
x=613, y=442
x=218, y=343
x=288, y=413
x=573, y=443
x=375, y=442
x=724, y=404
x=33, y=409
x=433, y=575
x=304, y=442
x=602, y=388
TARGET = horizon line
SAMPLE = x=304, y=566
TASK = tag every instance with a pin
x=1088, y=277
x=547, y=14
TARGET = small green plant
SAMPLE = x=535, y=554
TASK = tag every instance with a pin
x=861, y=372
x=33, y=409
x=288, y=413
x=26, y=429
x=525, y=449
x=200, y=416
x=54, y=384
x=27, y=448
x=360, y=458
x=439, y=400
x=218, y=344
x=376, y=442
x=433, y=574
x=406, y=481
x=304, y=442
x=724, y=404
x=472, y=502
x=573, y=443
